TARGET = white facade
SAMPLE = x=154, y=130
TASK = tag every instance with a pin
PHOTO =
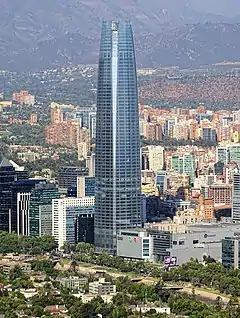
x=156, y=158
x=63, y=218
x=135, y=244
x=83, y=149
x=102, y=287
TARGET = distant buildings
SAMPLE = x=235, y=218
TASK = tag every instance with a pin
x=185, y=164
x=67, y=134
x=23, y=97
x=20, y=200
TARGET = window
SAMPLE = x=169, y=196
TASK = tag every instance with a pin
x=174, y=242
x=195, y=242
x=181, y=242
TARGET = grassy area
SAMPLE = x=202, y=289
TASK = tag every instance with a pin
x=210, y=290
x=65, y=261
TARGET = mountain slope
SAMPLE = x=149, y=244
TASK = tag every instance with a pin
x=49, y=33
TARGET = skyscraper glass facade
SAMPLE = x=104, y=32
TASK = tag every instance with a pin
x=118, y=179
x=41, y=195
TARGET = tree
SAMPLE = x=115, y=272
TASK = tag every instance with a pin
x=16, y=272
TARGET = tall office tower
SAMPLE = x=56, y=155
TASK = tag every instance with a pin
x=21, y=193
x=9, y=172
x=118, y=179
x=40, y=203
x=236, y=198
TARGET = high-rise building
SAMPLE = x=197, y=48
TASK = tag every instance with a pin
x=21, y=193
x=56, y=113
x=229, y=153
x=118, y=175
x=65, y=215
x=221, y=193
x=41, y=195
x=23, y=97
x=9, y=173
x=236, y=198
x=189, y=166
x=90, y=165
x=234, y=154
x=155, y=158
x=162, y=181
x=83, y=149
x=184, y=164
x=68, y=176
x=177, y=163
x=85, y=186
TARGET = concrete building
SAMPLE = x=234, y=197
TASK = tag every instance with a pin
x=146, y=308
x=23, y=97
x=83, y=149
x=67, y=134
x=90, y=165
x=64, y=214
x=148, y=177
x=102, y=287
x=220, y=194
x=56, y=113
x=74, y=282
x=178, y=241
x=135, y=244
x=156, y=158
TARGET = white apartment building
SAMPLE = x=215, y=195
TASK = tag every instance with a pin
x=64, y=213
x=101, y=287
x=74, y=282
x=156, y=158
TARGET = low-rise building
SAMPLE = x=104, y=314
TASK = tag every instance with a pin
x=135, y=244
x=159, y=310
x=101, y=287
x=178, y=241
x=6, y=266
x=74, y=282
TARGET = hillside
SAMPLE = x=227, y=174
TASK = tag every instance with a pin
x=48, y=33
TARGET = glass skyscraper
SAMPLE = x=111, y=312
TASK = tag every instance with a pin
x=118, y=181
